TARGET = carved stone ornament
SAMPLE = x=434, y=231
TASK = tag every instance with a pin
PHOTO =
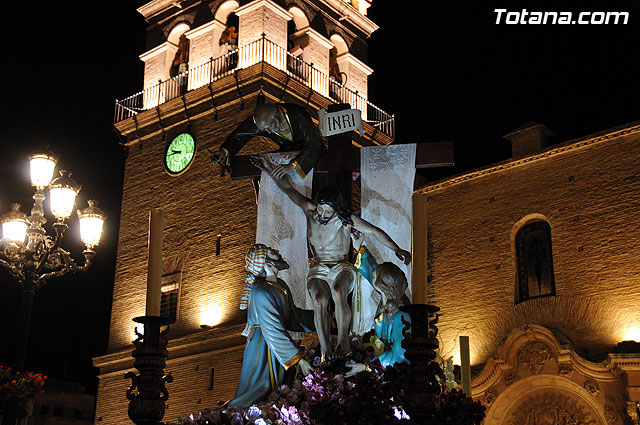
x=565, y=370
x=534, y=355
x=592, y=387
x=550, y=409
x=490, y=397
x=610, y=414
x=509, y=378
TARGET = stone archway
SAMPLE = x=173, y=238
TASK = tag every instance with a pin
x=535, y=379
x=545, y=400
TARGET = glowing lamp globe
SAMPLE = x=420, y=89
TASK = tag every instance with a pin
x=14, y=225
x=91, y=221
x=62, y=195
x=41, y=167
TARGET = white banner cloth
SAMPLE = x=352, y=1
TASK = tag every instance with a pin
x=387, y=176
x=282, y=225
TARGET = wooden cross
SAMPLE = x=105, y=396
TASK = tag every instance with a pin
x=428, y=155
x=336, y=166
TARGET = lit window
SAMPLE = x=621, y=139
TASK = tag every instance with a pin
x=170, y=296
x=534, y=261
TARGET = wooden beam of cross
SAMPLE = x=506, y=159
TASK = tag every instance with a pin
x=428, y=155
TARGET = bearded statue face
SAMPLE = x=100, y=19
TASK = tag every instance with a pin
x=324, y=213
x=270, y=118
x=275, y=259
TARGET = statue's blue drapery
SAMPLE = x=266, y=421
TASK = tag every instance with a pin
x=270, y=349
x=389, y=331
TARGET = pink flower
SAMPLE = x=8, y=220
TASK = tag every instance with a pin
x=284, y=413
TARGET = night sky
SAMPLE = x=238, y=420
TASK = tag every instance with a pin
x=446, y=71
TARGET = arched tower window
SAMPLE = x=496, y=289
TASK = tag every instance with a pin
x=534, y=261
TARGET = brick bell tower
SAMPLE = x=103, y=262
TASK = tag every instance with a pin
x=208, y=63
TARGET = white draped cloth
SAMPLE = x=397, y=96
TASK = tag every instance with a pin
x=282, y=225
x=387, y=176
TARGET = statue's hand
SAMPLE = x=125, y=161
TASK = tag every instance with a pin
x=355, y=368
x=218, y=157
x=357, y=239
x=305, y=367
x=282, y=170
x=405, y=256
x=260, y=163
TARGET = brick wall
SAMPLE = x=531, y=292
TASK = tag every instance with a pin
x=590, y=196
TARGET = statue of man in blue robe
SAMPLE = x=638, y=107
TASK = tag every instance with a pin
x=271, y=314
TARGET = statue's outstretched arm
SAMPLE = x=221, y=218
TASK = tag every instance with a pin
x=284, y=184
x=367, y=228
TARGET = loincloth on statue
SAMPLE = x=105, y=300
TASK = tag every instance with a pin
x=329, y=271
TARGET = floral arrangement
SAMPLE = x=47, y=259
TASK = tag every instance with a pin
x=20, y=386
x=327, y=397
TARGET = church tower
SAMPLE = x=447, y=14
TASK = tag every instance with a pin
x=207, y=64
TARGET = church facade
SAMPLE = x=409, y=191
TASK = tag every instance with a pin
x=534, y=259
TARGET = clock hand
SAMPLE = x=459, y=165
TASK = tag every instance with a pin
x=174, y=152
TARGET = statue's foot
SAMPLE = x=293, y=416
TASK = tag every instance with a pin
x=344, y=350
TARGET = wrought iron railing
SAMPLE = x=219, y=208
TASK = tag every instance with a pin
x=261, y=50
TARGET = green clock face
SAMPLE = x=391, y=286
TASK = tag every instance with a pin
x=180, y=153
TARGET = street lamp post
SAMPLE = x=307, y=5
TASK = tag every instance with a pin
x=30, y=255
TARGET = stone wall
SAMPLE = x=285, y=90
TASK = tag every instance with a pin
x=589, y=192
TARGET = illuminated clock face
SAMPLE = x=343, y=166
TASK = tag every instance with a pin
x=180, y=153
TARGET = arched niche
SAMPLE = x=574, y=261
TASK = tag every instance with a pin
x=177, y=49
x=300, y=20
x=225, y=18
x=340, y=44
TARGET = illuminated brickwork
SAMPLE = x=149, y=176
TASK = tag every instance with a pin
x=589, y=192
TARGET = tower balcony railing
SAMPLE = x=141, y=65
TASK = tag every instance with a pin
x=261, y=50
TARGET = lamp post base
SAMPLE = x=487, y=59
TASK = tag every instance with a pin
x=147, y=394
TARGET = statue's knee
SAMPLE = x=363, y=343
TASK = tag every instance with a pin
x=321, y=299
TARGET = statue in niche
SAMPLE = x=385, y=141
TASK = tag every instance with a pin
x=270, y=349
x=287, y=124
x=391, y=283
x=180, y=62
x=331, y=276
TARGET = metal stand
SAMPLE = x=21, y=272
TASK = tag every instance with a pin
x=148, y=393
x=420, y=342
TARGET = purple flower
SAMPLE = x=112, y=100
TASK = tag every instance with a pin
x=236, y=419
x=253, y=413
x=294, y=418
x=260, y=421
